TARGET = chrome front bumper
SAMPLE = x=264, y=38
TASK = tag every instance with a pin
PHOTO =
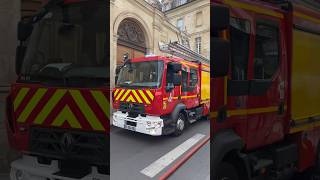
x=28, y=168
x=151, y=125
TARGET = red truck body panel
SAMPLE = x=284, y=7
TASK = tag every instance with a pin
x=256, y=119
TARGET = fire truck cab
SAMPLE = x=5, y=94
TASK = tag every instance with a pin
x=160, y=95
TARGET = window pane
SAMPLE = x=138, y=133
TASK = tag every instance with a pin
x=184, y=81
x=180, y=24
x=193, y=78
x=266, y=59
x=240, y=38
x=199, y=19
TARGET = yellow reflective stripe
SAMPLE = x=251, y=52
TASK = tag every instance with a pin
x=66, y=115
x=254, y=8
x=119, y=95
x=187, y=97
x=150, y=94
x=20, y=96
x=86, y=110
x=125, y=95
x=131, y=99
x=116, y=92
x=137, y=96
x=31, y=105
x=301, y=128
x=53, y=101
x=241, y=112
x=304, y=16
x=144, y=97
x=102, y=101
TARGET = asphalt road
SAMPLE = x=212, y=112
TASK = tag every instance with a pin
x=133, y=154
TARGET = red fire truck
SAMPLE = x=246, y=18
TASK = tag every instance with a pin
x=58, y=109
x=159, y=95
x=265, y=84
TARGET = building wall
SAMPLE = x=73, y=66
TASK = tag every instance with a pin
x=9, y=16
x=155, y=25
x=188, y=12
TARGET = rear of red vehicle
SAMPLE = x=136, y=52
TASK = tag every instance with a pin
x=259, y=103
x=58, y=109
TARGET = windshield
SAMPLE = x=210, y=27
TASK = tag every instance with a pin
x=69, y=42
x=141, y=74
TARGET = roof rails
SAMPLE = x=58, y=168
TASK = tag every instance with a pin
x=176, y=49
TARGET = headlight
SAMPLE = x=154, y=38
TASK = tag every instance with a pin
x=148, y=123
x=157, y=124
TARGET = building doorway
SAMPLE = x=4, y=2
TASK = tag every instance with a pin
x=131, y=40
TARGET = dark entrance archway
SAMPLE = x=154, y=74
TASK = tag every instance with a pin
x=131, y=40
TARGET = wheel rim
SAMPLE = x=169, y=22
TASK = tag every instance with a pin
x=180, y=124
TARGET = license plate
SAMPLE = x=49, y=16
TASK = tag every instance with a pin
x=131, y=128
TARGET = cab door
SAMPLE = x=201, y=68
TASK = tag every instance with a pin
x=192, y=96
x=266, y=100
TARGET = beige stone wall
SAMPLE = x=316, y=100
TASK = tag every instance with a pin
x=9, y=16
x=189, y=13
x=155, y=25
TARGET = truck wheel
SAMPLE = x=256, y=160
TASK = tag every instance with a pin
x=180, y=124
x=226, y=171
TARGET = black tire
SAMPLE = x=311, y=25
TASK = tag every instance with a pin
x=226, y=171
x=180, y=124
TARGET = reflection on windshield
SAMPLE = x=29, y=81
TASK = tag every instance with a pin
x=69, y=40
x=141, y=74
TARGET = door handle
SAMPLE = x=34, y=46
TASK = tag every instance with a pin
x=281, y=108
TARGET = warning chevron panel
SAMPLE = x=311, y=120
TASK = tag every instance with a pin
x=66, y=108
x=133, y=95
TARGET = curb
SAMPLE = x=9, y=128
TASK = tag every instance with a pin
x=184, y=159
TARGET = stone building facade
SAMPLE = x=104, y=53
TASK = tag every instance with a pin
x=193, y=18
x=137, y=26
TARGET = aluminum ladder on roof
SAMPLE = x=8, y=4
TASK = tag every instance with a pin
x=178, y=50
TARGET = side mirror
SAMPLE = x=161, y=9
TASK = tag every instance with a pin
x=175, y=67
x=220, y=57
x=220, y=18
x=177, y=79
x=20, y=53
x=24, y=30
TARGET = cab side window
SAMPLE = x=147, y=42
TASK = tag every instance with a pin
x=240, y=40
x=193, y=79
x=266, y=58
x=184, y=86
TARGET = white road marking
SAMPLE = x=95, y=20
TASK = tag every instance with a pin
x=157, y=166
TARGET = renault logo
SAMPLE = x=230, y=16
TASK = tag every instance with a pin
x=67, y=142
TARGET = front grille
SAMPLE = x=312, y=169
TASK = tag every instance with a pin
x=90, y=147
x=132, y=109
